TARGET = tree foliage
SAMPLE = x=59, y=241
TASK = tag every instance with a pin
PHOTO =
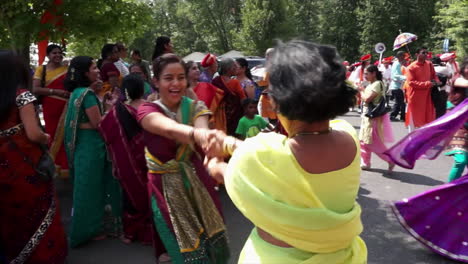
x=262, y=22
x=19, y=23
x=453, y=16
x=338, y=26
x=251, y=26
x=105, y=21
x=88, y=24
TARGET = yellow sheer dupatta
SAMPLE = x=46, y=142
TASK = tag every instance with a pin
x=272, y=193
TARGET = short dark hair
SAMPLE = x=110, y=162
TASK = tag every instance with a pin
x=76, y=74
x=436, y=60
x=247, y=101
x=51, y=47
x=308, y=82
x=420, y=48
x=225, y=65
x=159, y=46
x=120, y=46
x=136, y=52
x=374, y=68
x=189, y=65
x=463, y=66
x=107, y=50
x=14, y=74
x=244, y=63
x=133, y=86
x=143, y=68
x=160, y=63
x=400, y=54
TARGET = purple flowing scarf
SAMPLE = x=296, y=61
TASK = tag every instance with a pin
x=438, y=218
x=430, y=140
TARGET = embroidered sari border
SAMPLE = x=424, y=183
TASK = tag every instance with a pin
x=424, y=241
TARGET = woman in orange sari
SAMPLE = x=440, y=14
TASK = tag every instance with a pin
x=211, y=95
x=48, y=83
x=233, y=93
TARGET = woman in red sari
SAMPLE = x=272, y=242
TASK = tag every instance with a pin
x=48, y=83
x=124, y=140
x=211, y=95
x=233, y=93
x=30, y=227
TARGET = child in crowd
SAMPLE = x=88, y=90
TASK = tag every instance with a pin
x=251, y=123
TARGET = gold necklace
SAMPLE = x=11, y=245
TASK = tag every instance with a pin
x=313, y=133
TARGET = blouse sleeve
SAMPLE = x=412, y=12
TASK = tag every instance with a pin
x=146, y=109
x=200, y=109
x=38, y=72
x=90, y=100
x=24, y=98
x=377, y=87
x=108, y=70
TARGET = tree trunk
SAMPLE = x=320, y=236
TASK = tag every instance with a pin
x=24, y=52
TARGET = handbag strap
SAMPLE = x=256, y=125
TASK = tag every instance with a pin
x=382, y=86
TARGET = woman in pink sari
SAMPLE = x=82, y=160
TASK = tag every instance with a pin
x=124, y=140
x=48, y=83
x=376, y=131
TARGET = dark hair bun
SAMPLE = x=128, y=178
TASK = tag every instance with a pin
x=308, y=82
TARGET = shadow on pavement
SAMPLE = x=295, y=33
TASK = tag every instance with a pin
x=408, y=177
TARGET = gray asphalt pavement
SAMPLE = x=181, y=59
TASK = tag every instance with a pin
x=386, y=240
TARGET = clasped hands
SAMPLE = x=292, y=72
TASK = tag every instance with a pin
x=214, y=144
x=211, y=141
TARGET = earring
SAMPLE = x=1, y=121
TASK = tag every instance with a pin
x=72, y=71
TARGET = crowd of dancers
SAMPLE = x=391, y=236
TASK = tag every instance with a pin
x=147, y=147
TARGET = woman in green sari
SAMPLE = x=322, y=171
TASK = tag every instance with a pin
x=94, y=186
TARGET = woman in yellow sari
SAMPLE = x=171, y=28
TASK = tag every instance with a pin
x=48, y=84
x=297, y=191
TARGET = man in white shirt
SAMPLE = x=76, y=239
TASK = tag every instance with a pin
x=386, y=70
x=452, y=65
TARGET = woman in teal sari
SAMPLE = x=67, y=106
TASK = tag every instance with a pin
x=94, y=187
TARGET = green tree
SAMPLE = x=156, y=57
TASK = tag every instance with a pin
x=262, y=23
x=19, y=23
x=453, y=17
x=216, y=21
x=107, y=21
x=338, y=27
x=88, y=24
x=382, y=21
x=306, y=18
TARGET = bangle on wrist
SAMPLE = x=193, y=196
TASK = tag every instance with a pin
x=229, y=145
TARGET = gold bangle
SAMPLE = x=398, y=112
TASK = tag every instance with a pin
x=228, y=145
